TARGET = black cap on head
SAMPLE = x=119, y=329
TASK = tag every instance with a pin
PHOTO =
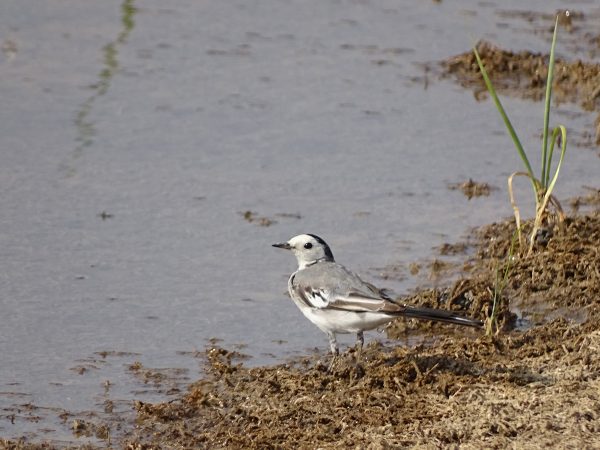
x=326, y=248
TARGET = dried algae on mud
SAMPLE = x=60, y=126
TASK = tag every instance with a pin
x=533, y=387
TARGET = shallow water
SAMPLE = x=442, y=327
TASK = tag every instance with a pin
x=134, y=137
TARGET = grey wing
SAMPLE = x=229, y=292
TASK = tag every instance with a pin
x=332, y=286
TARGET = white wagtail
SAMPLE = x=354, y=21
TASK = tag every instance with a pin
x=338, y=301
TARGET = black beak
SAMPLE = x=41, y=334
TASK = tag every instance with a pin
x=283, y=245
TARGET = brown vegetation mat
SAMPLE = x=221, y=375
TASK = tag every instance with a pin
x=530, y=388
x=523, y=74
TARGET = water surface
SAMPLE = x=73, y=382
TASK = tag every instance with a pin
x=135, y=135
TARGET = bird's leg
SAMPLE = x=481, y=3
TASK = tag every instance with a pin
x=359, y=370
x=335, y=351
x=360, y=340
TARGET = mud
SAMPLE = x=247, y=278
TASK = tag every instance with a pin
x=534, y=382
x=523, y=74
x=532, y=385
x=252, y=217
x=472, y=188
x=591, y=199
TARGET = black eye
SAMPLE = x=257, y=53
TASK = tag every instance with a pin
x=308, y=245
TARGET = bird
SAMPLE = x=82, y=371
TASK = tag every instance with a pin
x=338, y=301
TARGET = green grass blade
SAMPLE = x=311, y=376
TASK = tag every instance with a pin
x=506, y=120
x=545, y=175
x=550, y=154
x=563, y=138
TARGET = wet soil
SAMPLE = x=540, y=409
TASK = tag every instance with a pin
x=535, y=382
x=472, y=188
x=523, y=74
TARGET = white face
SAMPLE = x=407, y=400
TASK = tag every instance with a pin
x=308, y=249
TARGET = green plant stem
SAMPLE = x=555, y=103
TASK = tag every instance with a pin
x=507, y=122
x=546, y=159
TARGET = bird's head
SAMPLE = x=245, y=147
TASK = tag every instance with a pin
x=308, y=249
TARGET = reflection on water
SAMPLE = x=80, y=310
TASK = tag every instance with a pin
x=85, y=127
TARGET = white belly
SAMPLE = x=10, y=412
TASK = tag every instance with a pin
x=330, y=320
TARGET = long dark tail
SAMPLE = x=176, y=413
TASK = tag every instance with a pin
x=439, y=315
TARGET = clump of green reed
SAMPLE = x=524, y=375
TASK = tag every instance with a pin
x=543, y=186
x=501, y=280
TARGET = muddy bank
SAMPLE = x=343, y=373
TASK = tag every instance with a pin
x=535, y=383
x=523, y=74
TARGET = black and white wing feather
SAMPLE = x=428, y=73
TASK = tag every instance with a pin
x=330, y=286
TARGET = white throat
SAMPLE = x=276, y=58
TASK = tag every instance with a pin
x=303, y=264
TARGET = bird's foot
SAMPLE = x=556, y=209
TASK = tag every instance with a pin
x=345, y=366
